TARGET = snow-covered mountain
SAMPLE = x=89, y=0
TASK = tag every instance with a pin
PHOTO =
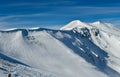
x=78, y=49
x=74, y=24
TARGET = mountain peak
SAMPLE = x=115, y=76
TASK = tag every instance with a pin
x=77, y=21
x=74, y=24
x=97, y=23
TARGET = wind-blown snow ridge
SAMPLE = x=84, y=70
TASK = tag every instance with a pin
x=77, y=50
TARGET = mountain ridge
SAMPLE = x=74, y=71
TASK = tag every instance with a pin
x=77, y=52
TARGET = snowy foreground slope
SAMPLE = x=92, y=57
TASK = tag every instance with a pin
x=77, y=50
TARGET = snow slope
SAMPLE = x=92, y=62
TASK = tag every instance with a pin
x=77, y=50
x=109, y=40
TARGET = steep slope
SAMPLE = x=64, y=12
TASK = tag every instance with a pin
x=107, y=37
x=109, y=40
x=41, y=49
x=73, y=51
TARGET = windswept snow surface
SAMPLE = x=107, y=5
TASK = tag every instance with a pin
x=77, y=50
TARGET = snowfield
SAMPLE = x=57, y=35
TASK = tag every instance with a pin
x=76, y=50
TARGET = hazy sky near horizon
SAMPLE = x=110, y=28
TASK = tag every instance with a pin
x=56, y=13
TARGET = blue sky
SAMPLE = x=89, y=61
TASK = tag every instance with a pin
x=56, y=13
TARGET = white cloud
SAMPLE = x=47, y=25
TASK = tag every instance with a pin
x=3, y=18
x=89, y=10
x=67, y=2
